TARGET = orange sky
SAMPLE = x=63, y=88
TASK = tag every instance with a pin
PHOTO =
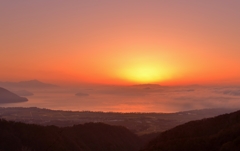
x=120, y=42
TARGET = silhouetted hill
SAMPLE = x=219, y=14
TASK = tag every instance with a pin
x=139, y=123
x=27, y=84
x=9, y=97
x=221, y=133
x=146, y=138
x=16, y=136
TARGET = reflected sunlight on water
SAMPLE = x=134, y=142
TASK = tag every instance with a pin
x=125, y=99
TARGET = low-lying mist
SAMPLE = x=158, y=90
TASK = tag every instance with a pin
x=139, y=98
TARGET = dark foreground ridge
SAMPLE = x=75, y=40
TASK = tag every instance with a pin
x=9, y=97
x=221, y=133
x=17, y=136
x=138, y=123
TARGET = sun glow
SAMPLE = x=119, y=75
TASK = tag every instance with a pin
x=144, y=74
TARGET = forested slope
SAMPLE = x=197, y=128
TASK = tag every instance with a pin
x=16, y=136
x=220, y=133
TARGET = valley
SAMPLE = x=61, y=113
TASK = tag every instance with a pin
x=139, y=123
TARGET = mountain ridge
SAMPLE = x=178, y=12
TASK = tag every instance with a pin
x=219, y=133
x=85, y=137
x=27, y=84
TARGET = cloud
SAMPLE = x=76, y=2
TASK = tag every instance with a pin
x=233, y=92
x=80, y=94
x=230, y=91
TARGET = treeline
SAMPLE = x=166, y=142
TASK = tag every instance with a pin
x=17, y=136
x=221, y=133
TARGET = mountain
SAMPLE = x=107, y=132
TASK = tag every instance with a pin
x=221, y=133
x=139, y=123
x=9, y=97
x=35, y=83
x=87, y=137
x=27, y=84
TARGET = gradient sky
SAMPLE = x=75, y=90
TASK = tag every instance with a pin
x=120, y=41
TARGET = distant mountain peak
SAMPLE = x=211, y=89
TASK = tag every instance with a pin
x=30, y=81
x=34, y=80
x=27, y=84
x=35, y=83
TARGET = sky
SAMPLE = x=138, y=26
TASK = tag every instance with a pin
x=120, y=41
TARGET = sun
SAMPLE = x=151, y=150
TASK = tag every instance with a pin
x=143, y=65
x=143, y=74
